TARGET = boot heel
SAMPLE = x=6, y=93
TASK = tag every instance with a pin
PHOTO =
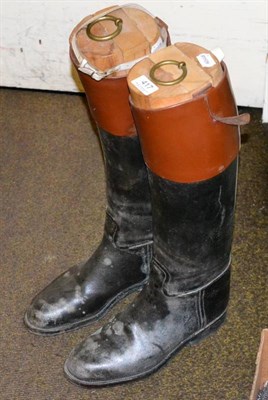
x=208, y=331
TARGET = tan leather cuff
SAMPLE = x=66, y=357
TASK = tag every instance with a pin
x=108, y=102
x=192, y=141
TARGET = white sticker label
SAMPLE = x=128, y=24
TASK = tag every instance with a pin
x=206, y=60
x=218, y=53
x=144, y=85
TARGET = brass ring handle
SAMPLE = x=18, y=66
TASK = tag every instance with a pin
x=117, y=21
x=180, y=64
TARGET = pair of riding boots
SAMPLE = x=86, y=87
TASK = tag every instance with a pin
x=168, y=234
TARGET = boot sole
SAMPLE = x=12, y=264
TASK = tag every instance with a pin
x=87, y=320
x=194, y=339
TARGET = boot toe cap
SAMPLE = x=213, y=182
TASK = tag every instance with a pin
x=86, y=366
x=57, y=306
x=102, y=359
x=43, y=317
x=109, y=356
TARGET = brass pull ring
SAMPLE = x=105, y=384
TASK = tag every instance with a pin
x=180, y=64
x=117, y=21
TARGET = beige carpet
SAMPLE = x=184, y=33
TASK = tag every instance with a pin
x=52, y=211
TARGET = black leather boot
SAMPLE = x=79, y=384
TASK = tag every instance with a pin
x=120, y=265
x=187, y=294
x=193, y=214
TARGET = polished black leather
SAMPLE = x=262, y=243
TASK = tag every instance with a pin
x=193, y=228
x=127, y=188
x=188, y=290
x=121, y=262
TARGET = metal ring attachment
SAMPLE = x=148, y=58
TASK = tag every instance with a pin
x=117, y=21
x=180, y=64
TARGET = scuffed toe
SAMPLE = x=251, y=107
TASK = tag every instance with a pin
x=85, y=364
x=44, y=318
x=102, y=358
x=56, y=306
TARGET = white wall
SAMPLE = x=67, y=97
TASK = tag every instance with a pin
x=34, y=39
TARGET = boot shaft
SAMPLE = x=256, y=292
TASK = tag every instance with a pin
x=129, y=216
x=191, y=150
x=193, y=228
x=128, y=221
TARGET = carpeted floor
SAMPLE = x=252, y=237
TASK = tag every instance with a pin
x=52, y=209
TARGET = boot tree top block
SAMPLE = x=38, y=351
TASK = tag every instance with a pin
x=115, y=36
x=201, y=68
